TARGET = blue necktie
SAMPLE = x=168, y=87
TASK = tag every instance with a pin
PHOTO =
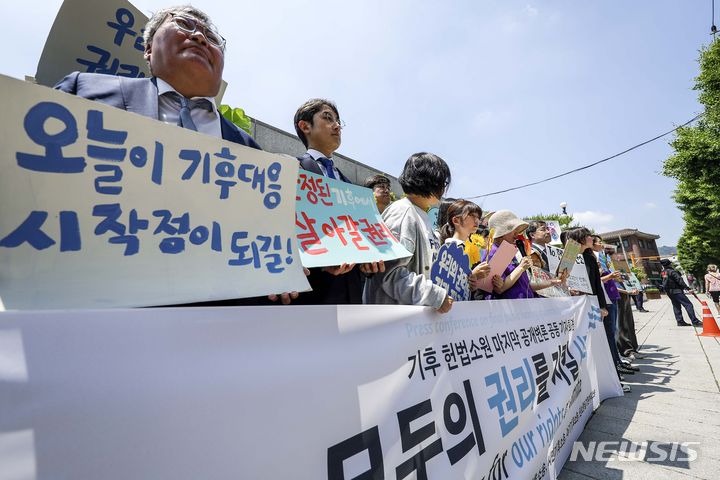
x=186, y=105
x=328, y=164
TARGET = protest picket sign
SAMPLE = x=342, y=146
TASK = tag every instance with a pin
x=631, y=282
x=316, y=392
x=91, y=36
x=104, y=208
x=537, y=274
x=567, y=261
x=451, y=270
x=338, y=222
x=498, y=263
x=96, y=37
x=555, y=231
x=578, y=279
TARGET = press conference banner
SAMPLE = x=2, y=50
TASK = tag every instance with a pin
x=494, y=389
x=104, y=208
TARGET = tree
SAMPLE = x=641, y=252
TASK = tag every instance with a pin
x=565, y=221
x=695, y=165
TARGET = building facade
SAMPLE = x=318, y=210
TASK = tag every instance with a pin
x=638, y=249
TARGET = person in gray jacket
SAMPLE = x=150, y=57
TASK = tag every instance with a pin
x=406, y=281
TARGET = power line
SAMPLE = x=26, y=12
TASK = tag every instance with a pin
x=590, y=165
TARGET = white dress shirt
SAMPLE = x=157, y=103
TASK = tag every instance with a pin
x=315, y=154
x=207, y=122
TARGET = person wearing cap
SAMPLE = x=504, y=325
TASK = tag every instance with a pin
x=514, y=281
x=675, y=288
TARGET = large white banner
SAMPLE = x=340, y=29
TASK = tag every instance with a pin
x=104, y=208
x=494, y=389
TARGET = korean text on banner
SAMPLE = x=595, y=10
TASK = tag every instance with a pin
x=234, y=393
x=338, y=222
x=104, y=208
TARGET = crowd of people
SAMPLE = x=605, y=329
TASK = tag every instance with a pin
x=185, y=53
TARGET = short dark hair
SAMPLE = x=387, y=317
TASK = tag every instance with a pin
x=378, y=179
x=425, y=174
x=308, y=110
x=579, y=234
x=533, y=226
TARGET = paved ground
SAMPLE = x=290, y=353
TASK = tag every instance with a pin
x=675, y=398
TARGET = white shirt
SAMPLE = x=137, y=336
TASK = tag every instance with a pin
x=207, y=122
x=315, y=154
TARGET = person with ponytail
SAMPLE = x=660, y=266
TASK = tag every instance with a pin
x=462, y=220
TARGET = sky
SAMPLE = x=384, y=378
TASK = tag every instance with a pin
x=507, y=92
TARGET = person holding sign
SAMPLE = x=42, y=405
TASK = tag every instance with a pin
x=514, y=282
x=406, y=281
x=318, y=125
x=186, y=55
x=463, y=219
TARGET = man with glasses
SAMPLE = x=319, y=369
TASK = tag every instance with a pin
x=317, y=123
x=186, y=56
x=380, y=186
x=539, y=234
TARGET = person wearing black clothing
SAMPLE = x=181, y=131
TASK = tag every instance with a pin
x=675, y=288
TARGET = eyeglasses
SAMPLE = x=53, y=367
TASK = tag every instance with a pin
x=190, y=26
x=328, y=117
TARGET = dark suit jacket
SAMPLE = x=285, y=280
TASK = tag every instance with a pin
x=307, y=162
x=137, y=95
x=328, y=289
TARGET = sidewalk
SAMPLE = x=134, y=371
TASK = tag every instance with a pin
x=675, y=398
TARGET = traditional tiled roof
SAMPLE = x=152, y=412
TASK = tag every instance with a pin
x=628, y=232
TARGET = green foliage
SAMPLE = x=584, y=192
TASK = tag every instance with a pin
x=695, y=165
x=565, y=221
x=237, y=116
x=639, y=273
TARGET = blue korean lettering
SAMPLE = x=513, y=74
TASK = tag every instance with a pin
x=53, y=161
x=30, y=232
x=172, y=245
x=195, y=157
x=139, y=156
x=69, y=232
x=200, y=235
x=115, y=177
x=511, y=397
x=101, y=64
x=125, y=20
x=110, y=223
x=225, y=169
x=242, y=251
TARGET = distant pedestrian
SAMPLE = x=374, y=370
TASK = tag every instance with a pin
x=712, y=284
x=675, y=288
